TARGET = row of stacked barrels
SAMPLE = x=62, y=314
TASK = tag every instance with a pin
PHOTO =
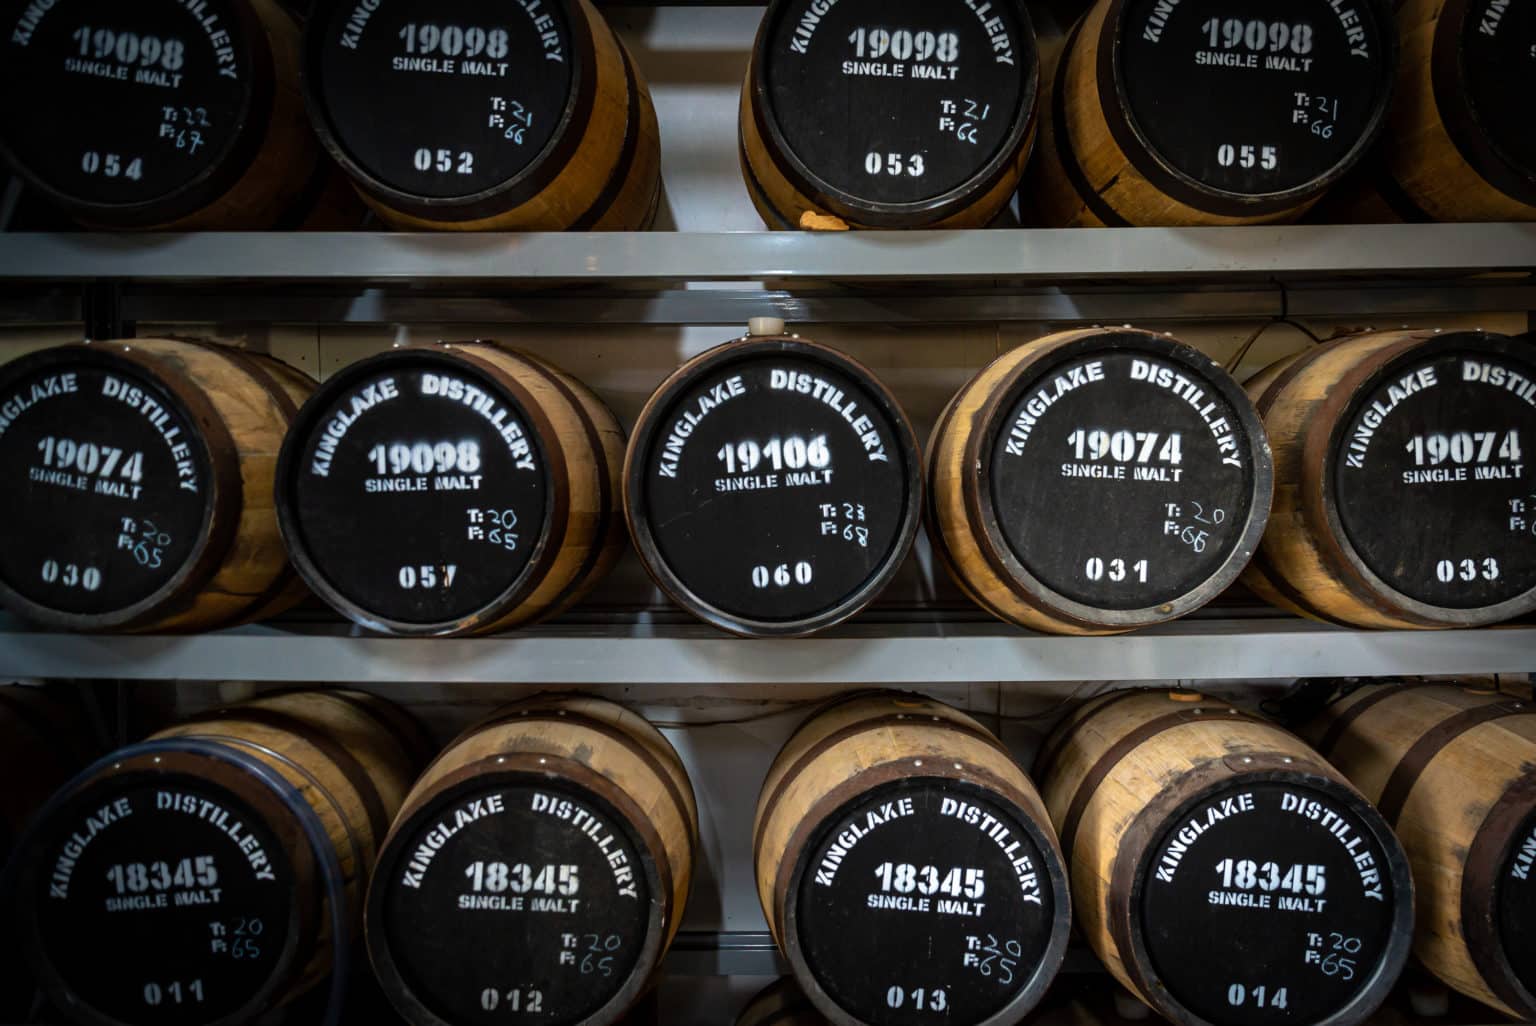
x=1223, y=870
x=1090, y=482
x=863, y=113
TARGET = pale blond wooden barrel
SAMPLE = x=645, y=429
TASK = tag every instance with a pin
x=1454, y=771
x=1213, y=854
x=541, y=865
x=882, y=825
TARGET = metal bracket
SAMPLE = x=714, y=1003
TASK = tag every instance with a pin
x=101, y=310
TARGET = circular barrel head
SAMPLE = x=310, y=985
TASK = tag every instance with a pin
x=889, y=110
x=1290, y=96
x=483, y=100
x=515, y=893
x=1270, y=900
x=1485, y=63
x=140, y=113
x=772, y=487
x=111, y=471
x=166, y=894
x=416, y=492
x=926, y=897
x=1429, y=491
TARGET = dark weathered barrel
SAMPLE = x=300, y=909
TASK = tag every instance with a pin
x=451, y=489
x=1403, y=495
x=140, y=477
x=178, y=884
x=1096, y=481
x=772, y=486
x=1454, y=771
x=1222, y=871
x=888, y=113
x=781, y=1003
x=1204, y=113
x=528, y=116
x=907, y=869
x=159, y=113
x=538, y=870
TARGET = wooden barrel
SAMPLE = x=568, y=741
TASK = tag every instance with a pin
x=1288, y=100
x=142, y=475
x=160, y=115
x=1454, y=771
x=781, y=1003
x=1097, y=481
x=1403, y=496
x=528, y=117
x=1221, y=870
x=179, y=885
x=451, y=489
x=540, y=868
x=772, y=486
x=906, y=867
x=888, y=113
x=1458, y=144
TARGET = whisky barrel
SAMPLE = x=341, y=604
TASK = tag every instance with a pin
x=1096, y=481
x=1458, y=144
x=888, y=113
x=1222, y=871
x=141, y=472
x=772, y=486
x=1403, y=497
x=906, y=867
x=450, y=489
x=781, y=1003
x=1288, y=100
x=528, y=117
x=1454, y=772
x=539, y=867
x=179, y=880
x=159, y=114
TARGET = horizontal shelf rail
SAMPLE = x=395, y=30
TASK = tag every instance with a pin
x=897, y=654
x=1281, y=253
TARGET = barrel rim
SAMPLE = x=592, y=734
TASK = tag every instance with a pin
x=221, y=507
x=1464, y=122
x=988, y=424
x=221, y=172
x=1482, y=891
x=649, y=425
x=824, y=815
x=1129, y=875
x=1321, y=444
x=1150, y=163
x=249, y=793
x=556, y=499
x=522, y=769
x=536, y=176
x=891, y=215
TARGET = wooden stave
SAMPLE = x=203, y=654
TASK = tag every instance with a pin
x=778, y=193
x=302, y=757
x=791, y=809
x=1061, y=187
x=574, y=429
x=1304, y=563
x=1457, y=833
x=1104, y=879
x=620, y=138
x=620, y=756
x=1434, y=153
x=648, y=424
x=957, y=513
x=239, y=569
